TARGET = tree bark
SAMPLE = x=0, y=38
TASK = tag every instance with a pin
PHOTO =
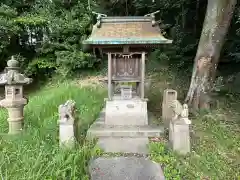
x=217, y=20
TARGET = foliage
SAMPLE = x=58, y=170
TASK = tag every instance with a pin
x=36, y=154
x=234, y=47
x=214, y=134
x=8, y=27
x=40, y=66
x=161, y=154
x=214, y=138
x=48, y=30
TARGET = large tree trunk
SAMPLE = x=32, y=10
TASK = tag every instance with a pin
x=217, y=20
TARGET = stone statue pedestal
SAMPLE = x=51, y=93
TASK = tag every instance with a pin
x=66, y=135
x=179, y=136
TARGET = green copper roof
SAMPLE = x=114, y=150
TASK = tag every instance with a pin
x=126, y=30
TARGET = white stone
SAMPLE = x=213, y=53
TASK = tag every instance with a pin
x=126, y=112
x=66, y=135
x=179, y=137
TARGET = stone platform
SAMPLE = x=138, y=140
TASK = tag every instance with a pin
x=122, y=129
x=123, y=138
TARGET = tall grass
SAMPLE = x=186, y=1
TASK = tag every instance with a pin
x=35, y=153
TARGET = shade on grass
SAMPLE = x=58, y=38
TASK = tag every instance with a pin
x=35, y=154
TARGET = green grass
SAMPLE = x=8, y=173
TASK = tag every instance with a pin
x=35, y=154
x=215, y=137
x=215, y=152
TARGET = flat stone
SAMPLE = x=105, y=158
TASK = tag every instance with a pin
x=125, y=168
x=103, y=130
x=124, y=145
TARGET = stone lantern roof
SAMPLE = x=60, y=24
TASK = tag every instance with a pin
x=12, y=76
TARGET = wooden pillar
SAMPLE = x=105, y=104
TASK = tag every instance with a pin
x=109, y=76
x=142, y=74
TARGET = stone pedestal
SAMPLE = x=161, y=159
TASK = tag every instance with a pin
x=126, y=112
x=66, y=135
x=179, y=136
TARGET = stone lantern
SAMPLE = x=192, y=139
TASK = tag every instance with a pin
x=14, y=100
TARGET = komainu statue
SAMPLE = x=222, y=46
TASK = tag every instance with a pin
x=67, y=112
x=180, y=112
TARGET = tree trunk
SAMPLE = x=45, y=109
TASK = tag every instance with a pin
x=217, y=20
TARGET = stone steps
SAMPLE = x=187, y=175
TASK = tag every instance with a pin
x=103, y=130
x=126, y=138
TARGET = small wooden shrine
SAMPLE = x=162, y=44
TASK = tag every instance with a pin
x=126, y=41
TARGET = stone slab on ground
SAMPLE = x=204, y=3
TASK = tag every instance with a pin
x=123, y=145
x=124, y=168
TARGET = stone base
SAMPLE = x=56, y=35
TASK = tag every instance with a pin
x=179, y=137
x=66, y=135
x=123, y=138
x=100, y=129
x=126, y=112
x=15, y=127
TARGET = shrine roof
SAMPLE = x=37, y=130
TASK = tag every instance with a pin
x=126, y=30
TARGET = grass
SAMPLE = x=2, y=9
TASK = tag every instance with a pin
x=215, y=152
x=35, y=154
x=215, y=137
